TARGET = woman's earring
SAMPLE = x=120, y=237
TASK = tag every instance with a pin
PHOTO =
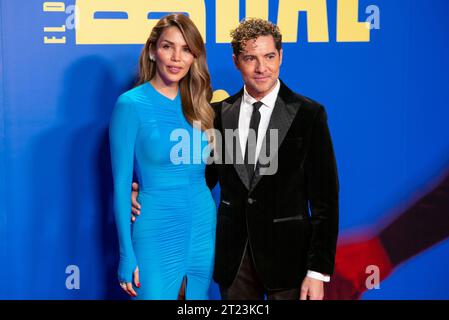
x=152, y=58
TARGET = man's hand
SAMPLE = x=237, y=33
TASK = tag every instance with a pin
x=135, y=208
x=312, y=288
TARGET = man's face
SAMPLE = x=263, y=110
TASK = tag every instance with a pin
x=259, y=65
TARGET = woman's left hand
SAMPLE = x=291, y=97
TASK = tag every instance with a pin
x=127, y=286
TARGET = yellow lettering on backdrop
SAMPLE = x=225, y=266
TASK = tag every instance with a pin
x=219, y=95
x=51, y=6
x=227, y=18
x=54, y=40
x=136, y=28
x=228, y=12
x=348, y=27
x=55, y=29
x=317, y=26
x=257, y=9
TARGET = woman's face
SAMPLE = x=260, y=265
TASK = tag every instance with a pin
x=173, y=56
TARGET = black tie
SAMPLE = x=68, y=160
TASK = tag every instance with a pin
x=250, y=151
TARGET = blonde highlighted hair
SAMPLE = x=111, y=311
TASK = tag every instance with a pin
x=195, y=88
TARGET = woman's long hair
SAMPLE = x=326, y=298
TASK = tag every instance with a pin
x=196, y=91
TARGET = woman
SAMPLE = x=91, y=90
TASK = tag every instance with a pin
x=174, y=238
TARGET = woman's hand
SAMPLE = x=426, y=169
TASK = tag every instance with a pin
x=135, y=208
x=127, y=286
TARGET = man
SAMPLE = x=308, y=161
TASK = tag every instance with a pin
x=276, y=231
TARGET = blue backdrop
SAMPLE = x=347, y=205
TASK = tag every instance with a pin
x=386, y=98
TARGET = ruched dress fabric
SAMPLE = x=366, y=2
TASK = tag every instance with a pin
x=174, y=235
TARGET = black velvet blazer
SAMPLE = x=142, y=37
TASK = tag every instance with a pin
x=290, y=216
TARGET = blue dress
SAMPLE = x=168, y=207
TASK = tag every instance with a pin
x=174, y=236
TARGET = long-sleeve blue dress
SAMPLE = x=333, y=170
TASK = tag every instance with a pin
x=174, y=236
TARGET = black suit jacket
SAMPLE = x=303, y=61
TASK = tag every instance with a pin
x=290, y=218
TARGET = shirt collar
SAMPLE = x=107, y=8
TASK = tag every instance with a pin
x=269, y=100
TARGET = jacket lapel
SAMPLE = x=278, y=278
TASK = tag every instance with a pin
x=230, y=112
x=285, y=110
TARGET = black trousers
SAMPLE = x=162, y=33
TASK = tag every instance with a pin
x=247, y=286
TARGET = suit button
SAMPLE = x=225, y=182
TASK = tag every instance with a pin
x=251, y=200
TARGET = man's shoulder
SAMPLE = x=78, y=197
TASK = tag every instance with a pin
x=229, y=100
x=306, y=104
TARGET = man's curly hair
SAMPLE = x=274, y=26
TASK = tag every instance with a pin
x=251, y=29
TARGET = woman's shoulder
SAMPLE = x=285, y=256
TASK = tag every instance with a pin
x=134, y=93
x=133, y=97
